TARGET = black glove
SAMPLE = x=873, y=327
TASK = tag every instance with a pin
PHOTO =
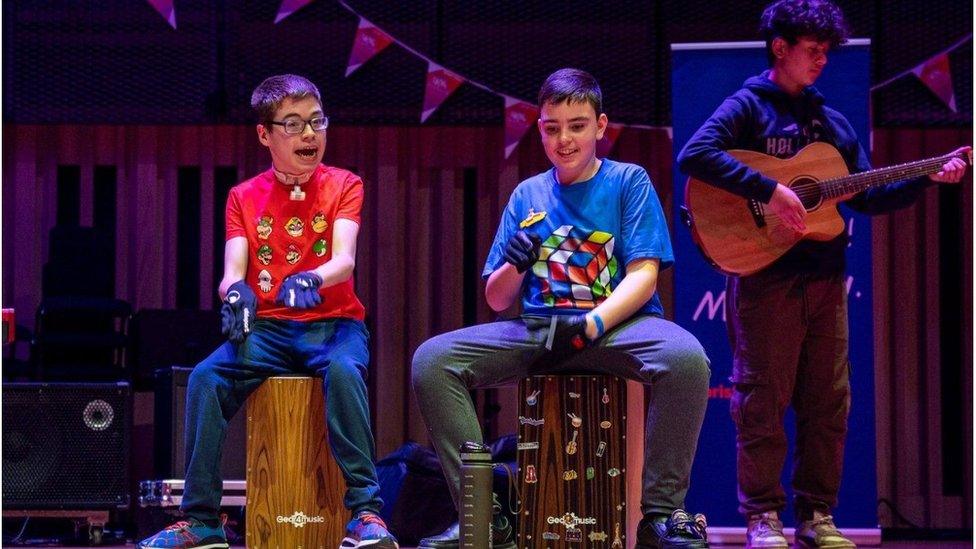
x=568, y=335
x=237, y=314
x=300, y=291
x=522, y=250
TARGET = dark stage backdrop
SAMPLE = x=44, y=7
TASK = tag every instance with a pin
x=119, y=62
x=433, y=200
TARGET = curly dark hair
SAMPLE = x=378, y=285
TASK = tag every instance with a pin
x=794, y=19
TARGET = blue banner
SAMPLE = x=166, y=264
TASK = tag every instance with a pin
x=703, y=76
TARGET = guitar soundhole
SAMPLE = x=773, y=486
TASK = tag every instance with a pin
x=808, y=191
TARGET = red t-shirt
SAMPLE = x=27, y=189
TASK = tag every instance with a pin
x=286, y=236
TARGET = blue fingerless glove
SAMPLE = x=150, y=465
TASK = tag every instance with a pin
x=300, y=291
x=238, y=312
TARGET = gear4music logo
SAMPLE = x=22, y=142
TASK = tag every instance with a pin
x=298, y=519
x=570, y=520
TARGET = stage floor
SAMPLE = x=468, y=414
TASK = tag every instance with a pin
x=887, y=544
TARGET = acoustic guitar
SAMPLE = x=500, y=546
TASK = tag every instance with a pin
x=571, y=445
x=740, y=236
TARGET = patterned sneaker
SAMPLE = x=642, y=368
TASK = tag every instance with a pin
x=368, y=530
x=677, y=531
x=820, y=533
x=766, y=532
x=187, y=534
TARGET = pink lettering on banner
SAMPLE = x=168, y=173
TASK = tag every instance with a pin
x=712, y=305
x=519, y=116
x=721, y=392
x=441, y=83
x=368, y=42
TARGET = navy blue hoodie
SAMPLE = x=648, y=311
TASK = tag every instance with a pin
x=763, y=117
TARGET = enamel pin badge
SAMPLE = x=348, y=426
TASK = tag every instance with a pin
x=533, y=218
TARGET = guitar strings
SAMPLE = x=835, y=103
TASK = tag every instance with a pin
x=821, y=189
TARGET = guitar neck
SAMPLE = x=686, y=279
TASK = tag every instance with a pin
x=853, y=184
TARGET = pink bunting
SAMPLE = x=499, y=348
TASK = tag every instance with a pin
x=369, y=41
x=289, y=7
x=605, y=145
x=519, y=117
x=937, y=76
x=441, y=83
x=166, y=9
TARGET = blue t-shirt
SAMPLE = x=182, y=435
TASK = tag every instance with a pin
x=590, y=231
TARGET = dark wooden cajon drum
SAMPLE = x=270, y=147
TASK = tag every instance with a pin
x=294, y=487
x=578, y=483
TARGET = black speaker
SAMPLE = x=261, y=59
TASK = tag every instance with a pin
x=169, y=425
x=66, y=445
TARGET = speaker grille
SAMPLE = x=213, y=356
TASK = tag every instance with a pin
x=65, y=445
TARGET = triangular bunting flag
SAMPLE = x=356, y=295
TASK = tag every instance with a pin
x=519, y=117
x=936, y=74
x=369, y=41
x=605, y=145
x=166, y=9
x=289, y=7
x=441, y=83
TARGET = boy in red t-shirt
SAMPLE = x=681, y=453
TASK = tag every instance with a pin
x=289, y=307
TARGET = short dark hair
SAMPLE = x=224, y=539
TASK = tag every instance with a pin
x=572, y=86
x=794, y=19
x=270, y=94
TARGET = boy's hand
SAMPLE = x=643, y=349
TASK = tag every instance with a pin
x=788, y=207
x=954, y=169
x=237, y=314
x=300, y=291
x=569, y=335
x=522, y=250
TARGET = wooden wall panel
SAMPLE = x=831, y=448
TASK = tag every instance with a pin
x=409, y=270
x=908, y=262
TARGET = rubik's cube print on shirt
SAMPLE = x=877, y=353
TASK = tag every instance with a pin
x=590, y=231
x=575, y=267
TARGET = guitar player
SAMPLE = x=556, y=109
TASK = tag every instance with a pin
x=803, y=294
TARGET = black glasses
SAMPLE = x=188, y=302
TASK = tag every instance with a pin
x=295, y=125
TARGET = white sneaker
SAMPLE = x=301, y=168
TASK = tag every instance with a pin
x=821, y=533
x=765, y=532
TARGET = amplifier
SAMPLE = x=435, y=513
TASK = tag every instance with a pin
x=66, y=445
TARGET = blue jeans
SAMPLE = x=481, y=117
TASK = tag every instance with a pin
x=335, y=350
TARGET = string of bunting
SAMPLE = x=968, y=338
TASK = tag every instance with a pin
x=441, y=82
x=935, y=73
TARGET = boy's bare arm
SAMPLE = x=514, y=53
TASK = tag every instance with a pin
x=340, y=267
x=636, y=288
x=235, y=263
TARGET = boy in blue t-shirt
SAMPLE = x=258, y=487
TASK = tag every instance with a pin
x=581, y=245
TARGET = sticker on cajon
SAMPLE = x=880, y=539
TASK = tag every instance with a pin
x=572, y=438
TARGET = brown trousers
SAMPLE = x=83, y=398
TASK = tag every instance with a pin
x=789, y=338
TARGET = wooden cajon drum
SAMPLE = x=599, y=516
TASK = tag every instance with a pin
x=294, y=487
x=580, y=457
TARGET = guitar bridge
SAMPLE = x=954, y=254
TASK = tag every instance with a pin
x=756, y=209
